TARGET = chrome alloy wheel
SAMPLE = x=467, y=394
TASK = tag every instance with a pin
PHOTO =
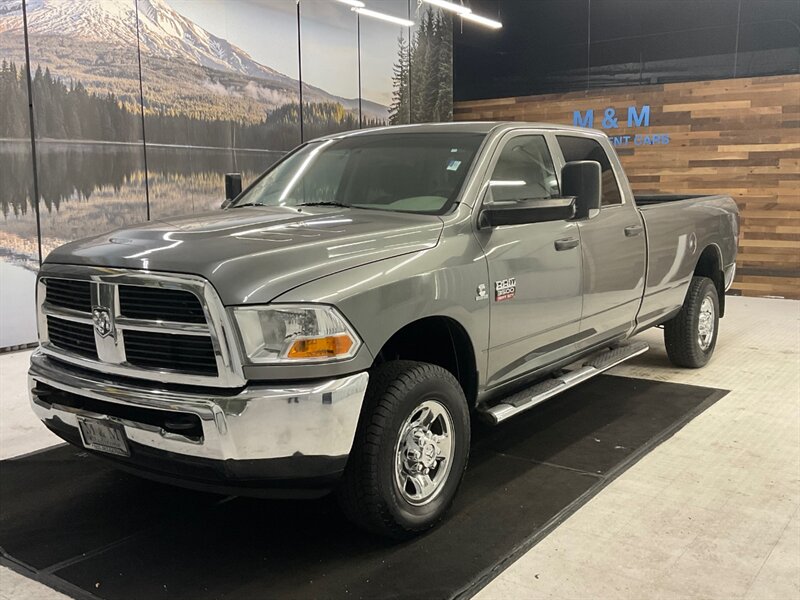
x=705, y=327
x=423, y=455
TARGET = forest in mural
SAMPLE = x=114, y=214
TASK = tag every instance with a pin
x=13, y=101
x=423, y=74
x=65, y=110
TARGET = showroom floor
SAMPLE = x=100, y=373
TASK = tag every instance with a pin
x=710, y=513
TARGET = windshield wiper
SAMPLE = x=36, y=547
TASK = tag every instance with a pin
x=326, y=203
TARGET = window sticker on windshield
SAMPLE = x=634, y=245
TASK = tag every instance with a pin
x=453, y=165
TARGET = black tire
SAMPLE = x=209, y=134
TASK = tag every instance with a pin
x=368, y=493
x=682, y=332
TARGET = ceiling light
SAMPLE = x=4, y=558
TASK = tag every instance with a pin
x=451, y=6
x=482, y=20
x=356, y=3
x=384, y=17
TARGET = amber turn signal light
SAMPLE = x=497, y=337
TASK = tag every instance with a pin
x=325, y=347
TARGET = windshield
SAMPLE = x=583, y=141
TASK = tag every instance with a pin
x=406, y=172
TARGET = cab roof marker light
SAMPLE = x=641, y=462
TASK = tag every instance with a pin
x=482, y=20
x=384, y=17
x=451, y=6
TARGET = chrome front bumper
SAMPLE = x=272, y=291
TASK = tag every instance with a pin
x=261, y=423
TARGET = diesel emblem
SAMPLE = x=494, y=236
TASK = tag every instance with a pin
x=505, y=289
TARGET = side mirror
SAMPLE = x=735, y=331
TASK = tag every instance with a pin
x=233, y=187
x=519, y=212
x=583, y=179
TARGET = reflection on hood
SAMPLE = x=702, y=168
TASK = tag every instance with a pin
x=254, y=254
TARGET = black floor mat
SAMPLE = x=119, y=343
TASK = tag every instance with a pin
x=76, y=524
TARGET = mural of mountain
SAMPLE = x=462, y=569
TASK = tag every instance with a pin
x=186, y=68
x=210, y=108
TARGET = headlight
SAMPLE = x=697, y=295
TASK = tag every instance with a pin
x=286, y=333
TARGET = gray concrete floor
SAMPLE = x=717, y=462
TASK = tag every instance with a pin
x=711, y=513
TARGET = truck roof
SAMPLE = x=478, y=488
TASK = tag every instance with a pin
x=462, y=127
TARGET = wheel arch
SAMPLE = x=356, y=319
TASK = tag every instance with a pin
x=439, y=340
x=709, y=264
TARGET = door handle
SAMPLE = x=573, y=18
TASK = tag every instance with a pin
x=633, y=230
x=566, y=244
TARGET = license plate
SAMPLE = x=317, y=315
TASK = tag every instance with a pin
x=104, y=436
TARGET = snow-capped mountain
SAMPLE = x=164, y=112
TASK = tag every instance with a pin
x=164, y=32
x=164, y=35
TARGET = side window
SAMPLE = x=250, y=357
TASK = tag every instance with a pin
x=580, y=148
x=524, y=171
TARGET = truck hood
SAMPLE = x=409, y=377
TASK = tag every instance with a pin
x=253, y=254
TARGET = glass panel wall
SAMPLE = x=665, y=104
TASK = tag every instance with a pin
x=88, y=134
x=141, y=106
x=220, y=95
x=330, y=59
x=19, y=251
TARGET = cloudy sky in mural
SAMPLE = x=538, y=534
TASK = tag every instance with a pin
x=328, y=30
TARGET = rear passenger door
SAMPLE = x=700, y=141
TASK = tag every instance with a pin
x=613, y=249
x=534, y=268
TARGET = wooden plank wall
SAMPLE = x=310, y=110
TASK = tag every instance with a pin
x=735, y=136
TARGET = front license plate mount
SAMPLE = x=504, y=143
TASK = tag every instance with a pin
x=104, y=436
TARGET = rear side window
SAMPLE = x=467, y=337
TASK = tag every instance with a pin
x=580, y=148
x=524, y=171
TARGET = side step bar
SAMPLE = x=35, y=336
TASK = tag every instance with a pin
x=578, y=373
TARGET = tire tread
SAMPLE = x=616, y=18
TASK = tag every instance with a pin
x=359, y=494
x=680, y=332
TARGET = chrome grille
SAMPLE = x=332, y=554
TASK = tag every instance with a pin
x=186, y=353
x=72, y=336
x=137, y=324
x=70, y=293
x=141, y=302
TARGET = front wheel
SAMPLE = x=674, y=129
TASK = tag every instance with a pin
x=691, y=335
x=410, y=451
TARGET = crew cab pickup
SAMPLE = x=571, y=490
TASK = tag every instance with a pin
x=336, y=325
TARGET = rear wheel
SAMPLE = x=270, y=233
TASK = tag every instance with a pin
x=691, y=335
x=410, y=452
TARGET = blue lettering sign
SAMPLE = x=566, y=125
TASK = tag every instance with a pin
x=637, y=117
x=620, y=140
x=641, y=119
x=609, y=119
x=579, y=120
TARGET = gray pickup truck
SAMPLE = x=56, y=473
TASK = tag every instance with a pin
x=337, y=325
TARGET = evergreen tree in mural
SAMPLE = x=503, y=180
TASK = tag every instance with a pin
x=423, y=73
x=443, y=103
x=399, y=109
x=13, y=100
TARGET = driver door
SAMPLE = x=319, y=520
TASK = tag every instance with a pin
x=535, y=281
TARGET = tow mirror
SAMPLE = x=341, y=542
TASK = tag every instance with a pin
x=233, y=187
x=583, y=179
x=518, y=212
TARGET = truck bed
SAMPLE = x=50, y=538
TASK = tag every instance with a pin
x=679, y=228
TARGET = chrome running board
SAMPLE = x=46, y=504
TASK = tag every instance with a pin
x=576, y=373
